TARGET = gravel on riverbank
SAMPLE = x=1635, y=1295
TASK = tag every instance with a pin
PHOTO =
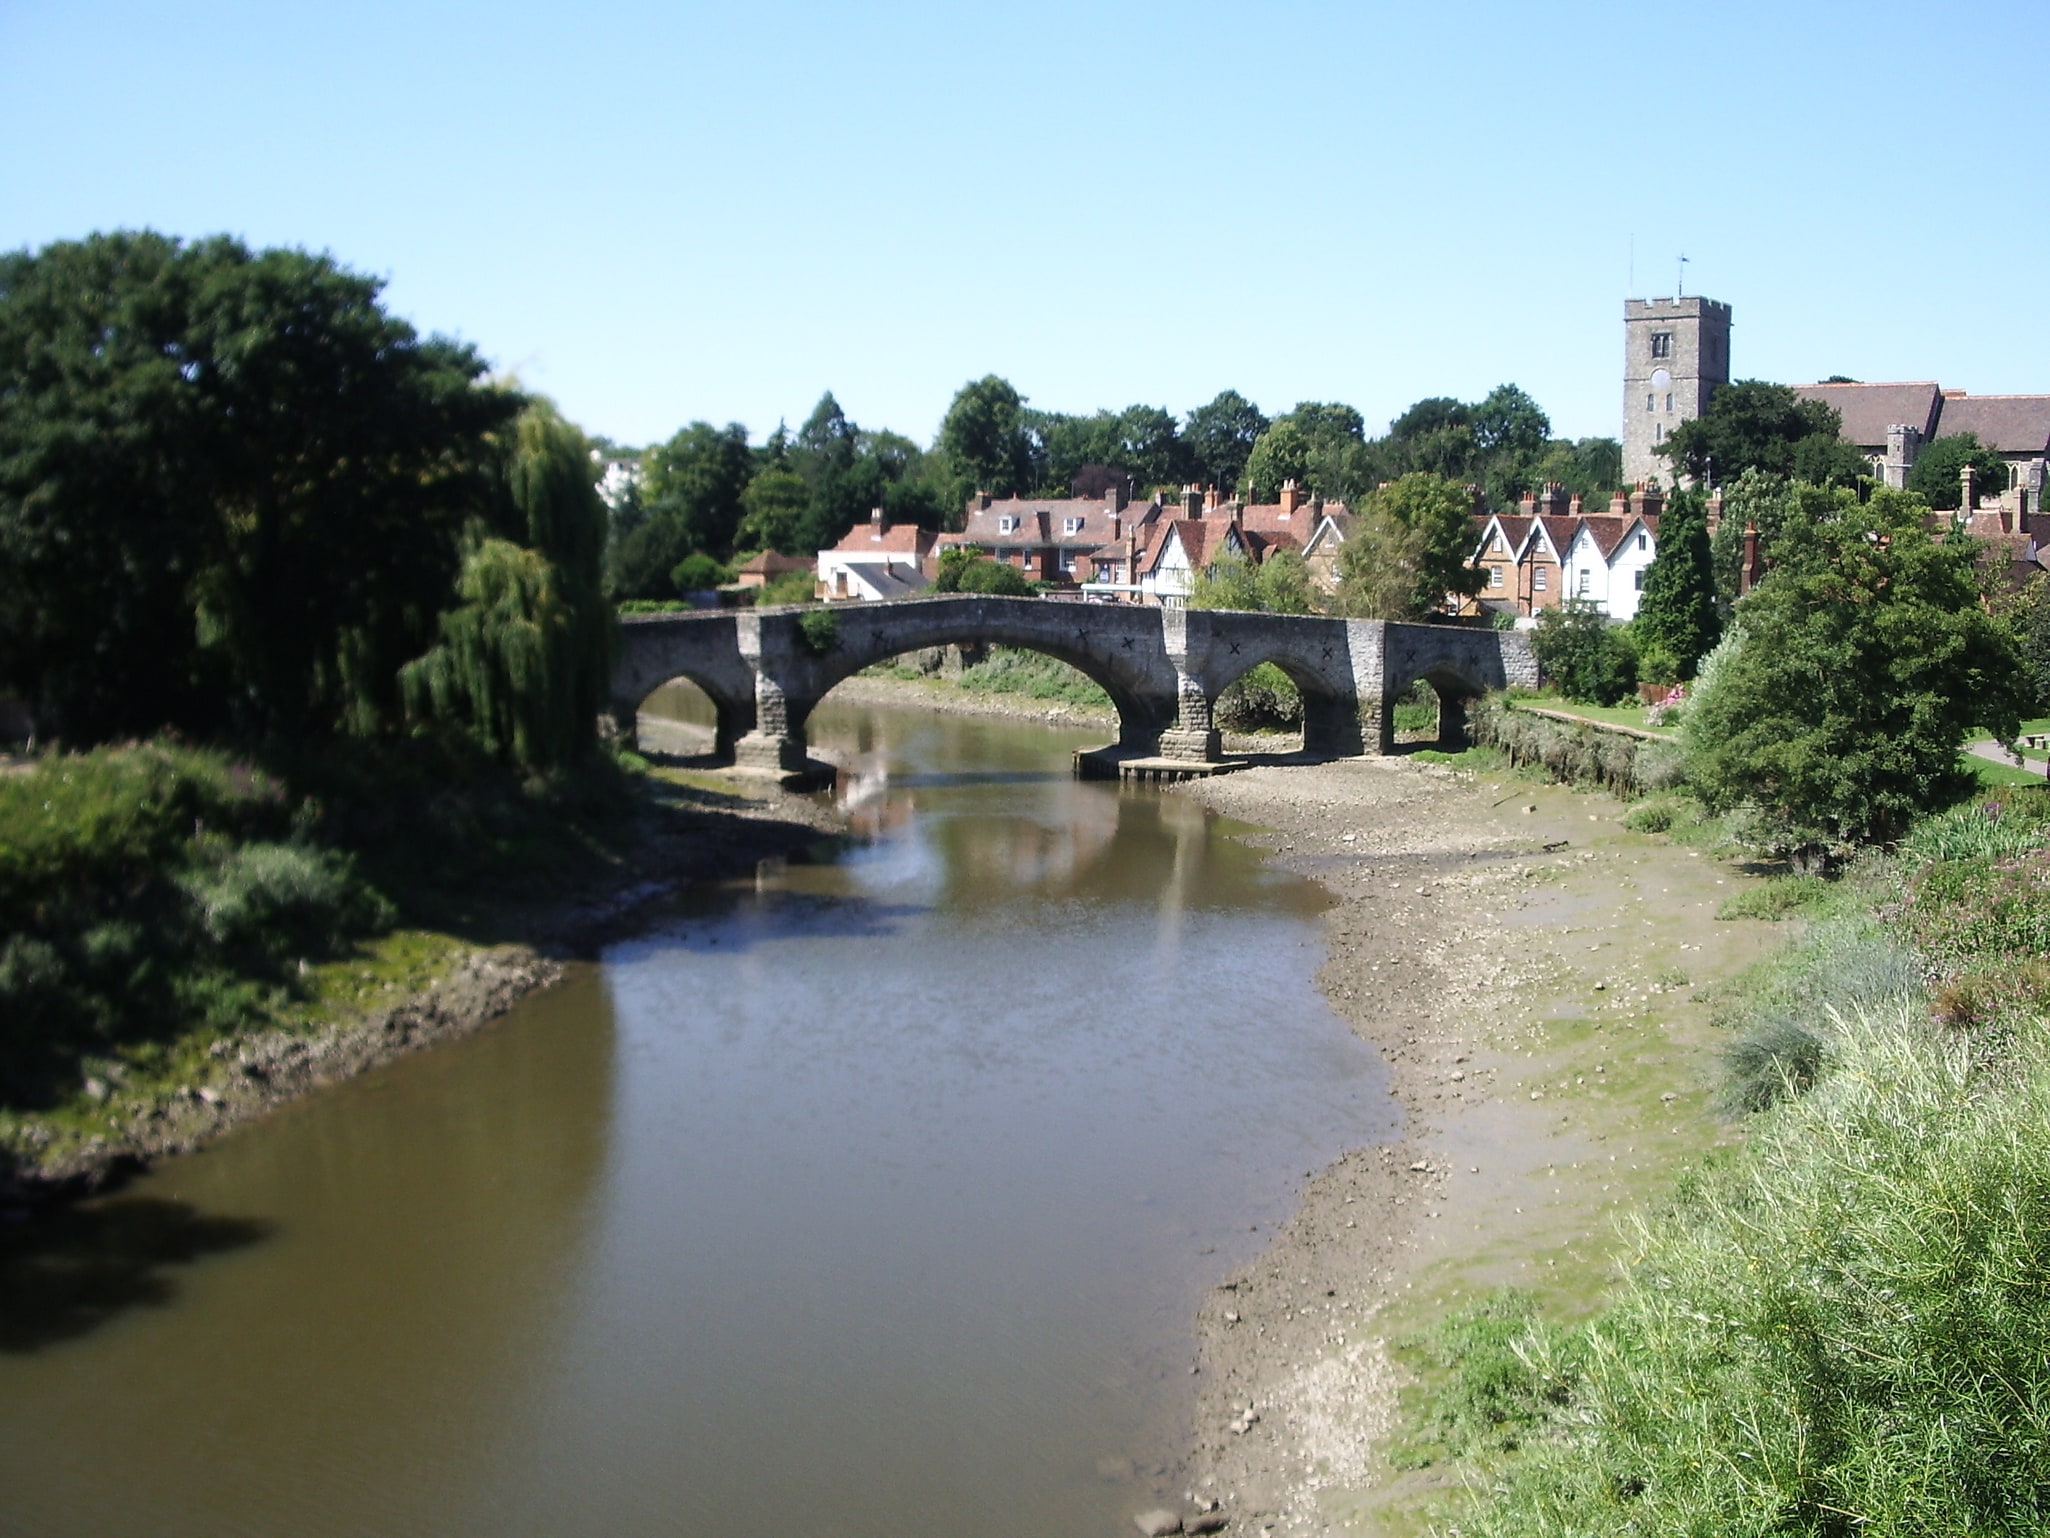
x=1531, y=972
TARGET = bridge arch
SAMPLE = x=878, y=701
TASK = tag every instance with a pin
x=1117, y=655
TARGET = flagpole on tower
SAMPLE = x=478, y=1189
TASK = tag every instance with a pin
x=1680, y=289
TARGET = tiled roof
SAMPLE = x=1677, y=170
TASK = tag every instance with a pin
x=1044, y=521
x=895, y=539
x=1559, y=529
x=2008, y=424
x=1607, y=532
x=1869, y=410
x=772, y=563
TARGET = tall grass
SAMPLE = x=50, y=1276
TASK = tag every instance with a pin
x=1841, y=1331
x=1838, y=1328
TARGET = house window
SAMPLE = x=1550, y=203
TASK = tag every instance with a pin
x=1072, y=526
x=1494, y=576
x=1643, y=540
x=1582, y=590
x=1640, y=579
x=1662, y=344
x=1539, y=579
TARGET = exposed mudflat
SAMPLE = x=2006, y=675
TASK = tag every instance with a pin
x=1532, y=973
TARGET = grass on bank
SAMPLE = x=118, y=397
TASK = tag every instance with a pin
x=1837, y=1327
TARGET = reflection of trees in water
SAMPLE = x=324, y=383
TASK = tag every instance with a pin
x=70, y=1272
x=362, y=1297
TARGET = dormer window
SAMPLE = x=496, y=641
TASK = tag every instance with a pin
x=1007, y=524
x=1072, y=526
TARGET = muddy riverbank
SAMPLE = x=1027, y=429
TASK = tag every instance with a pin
x=1535, y=976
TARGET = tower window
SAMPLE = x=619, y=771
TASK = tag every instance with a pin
x=1658, y=432
x=1650, y=403
x=1669, y=403
x=1662, y=344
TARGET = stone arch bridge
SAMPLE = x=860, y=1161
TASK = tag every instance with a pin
x=1162, y=668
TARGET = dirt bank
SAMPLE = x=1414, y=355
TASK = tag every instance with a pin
x=414, y=988
x=1533, y=974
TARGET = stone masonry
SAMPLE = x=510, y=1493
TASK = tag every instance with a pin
x=1162, y=668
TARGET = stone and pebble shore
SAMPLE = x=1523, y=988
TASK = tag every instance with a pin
x=1533, y=976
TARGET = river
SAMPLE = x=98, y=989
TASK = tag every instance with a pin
x=873, y=1196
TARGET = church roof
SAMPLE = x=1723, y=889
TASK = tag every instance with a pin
x=1868, y=410
x=2008, y=424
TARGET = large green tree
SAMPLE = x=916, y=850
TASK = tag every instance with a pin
x=233, y=489
x=1756, y=425
x=984, y=438
x=1220, y=436
x=1855, y=672
x=699, y=478
x=1408, y=550
x=1937, y=474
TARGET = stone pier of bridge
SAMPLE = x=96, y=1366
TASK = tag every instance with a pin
x=764, y=670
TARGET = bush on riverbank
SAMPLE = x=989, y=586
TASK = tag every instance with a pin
x=154, y=894
x=1838, y=1327
x=149, y=889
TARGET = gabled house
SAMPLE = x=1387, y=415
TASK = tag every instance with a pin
x=1179, y=550
x=1327, y=539
x=1051, y=539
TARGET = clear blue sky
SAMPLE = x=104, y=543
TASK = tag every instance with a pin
x=661, y=212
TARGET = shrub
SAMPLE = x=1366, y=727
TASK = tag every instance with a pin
x=1583, y=654
x=820, y=630
x=1573, y=752
x=699, y=573
x=791, y=587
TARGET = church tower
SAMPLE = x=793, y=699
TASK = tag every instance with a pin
x=1676, y=354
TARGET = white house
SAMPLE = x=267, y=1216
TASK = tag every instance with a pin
x=1605, y=562
x=877, y=560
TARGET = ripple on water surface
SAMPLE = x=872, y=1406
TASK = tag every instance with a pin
x=875, y=1196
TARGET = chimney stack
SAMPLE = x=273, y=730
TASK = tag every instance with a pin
x=1968, y=478
x=1116, y=497
x=1291, y=497
x=1192, y=501
x=877, y=528
x=1747, y=574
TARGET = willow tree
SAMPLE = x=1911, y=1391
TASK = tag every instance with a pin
x=524, y=654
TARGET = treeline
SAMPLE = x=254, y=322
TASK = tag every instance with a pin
x=708, y=494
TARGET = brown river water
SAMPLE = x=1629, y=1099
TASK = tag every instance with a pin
x=875, y=1196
